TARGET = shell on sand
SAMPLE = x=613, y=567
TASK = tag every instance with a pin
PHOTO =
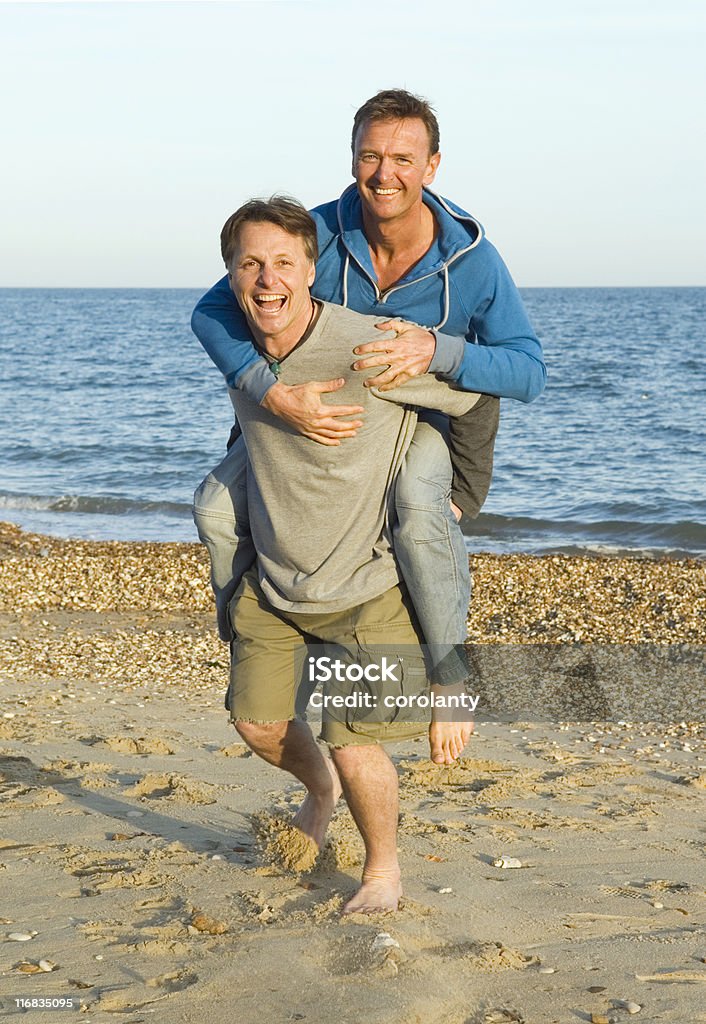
x=507, y=862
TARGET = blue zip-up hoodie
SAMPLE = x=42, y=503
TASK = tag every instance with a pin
x=460, y=284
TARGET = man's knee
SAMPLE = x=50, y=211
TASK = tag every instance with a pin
x=430, y=493
x=257, y=733
x=351, y=758
x=222, y=494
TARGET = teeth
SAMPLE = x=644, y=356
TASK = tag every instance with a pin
x=269, y=298
x=386, y=191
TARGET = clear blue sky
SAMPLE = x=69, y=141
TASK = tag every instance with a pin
x=573, y=130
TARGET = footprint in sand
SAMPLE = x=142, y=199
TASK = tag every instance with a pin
x=176, y=981
x=486, y=956
x=162, y=947
x=23, y=784
x=135, y=744
x=497, y=1015
x=156, y=786
x=133, y=997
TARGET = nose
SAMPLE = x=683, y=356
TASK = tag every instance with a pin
x=385, y=169
x=266, y=278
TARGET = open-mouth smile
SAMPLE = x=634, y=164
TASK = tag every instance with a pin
x=270, y=302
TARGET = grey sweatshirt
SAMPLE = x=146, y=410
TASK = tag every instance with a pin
x=321, y=516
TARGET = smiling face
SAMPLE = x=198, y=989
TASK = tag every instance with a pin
x=391, y=164
x=270, y=275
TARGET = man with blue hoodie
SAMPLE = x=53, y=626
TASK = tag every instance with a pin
x=389, y=246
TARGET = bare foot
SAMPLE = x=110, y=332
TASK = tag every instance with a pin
x=380, y=893
x=447, y=740
x=313, y=816
x=448, y=737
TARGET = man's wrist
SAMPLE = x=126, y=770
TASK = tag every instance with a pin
x=272, y=399
x=448, y=355
x=257, y=380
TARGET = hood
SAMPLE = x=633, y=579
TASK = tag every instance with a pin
x=458, y=233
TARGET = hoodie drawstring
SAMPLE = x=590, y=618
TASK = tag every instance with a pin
x=346, y=265
x=446, y=299
x=447, y=289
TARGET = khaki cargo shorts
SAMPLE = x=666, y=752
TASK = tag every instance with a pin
x=270, y=666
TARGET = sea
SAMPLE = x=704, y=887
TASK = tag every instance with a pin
x=111, y=413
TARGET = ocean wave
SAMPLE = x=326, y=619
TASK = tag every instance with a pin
x=118, y=517
x=91, y=505
x=685, y=537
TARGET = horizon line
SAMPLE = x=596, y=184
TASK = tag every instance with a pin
x=205, y=288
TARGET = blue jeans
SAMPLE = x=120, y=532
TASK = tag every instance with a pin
x=221, y=515
x=428, y=541
x=430, y=547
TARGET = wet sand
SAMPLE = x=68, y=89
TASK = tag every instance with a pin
x=142, y=843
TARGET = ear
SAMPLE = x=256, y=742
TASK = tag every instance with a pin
x=432, y=168
x=311, y=277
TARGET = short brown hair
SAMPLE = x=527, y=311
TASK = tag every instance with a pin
x=285, y=212
x=394, y=105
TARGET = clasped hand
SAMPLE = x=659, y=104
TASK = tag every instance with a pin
x=301, y=407
x=406, y=355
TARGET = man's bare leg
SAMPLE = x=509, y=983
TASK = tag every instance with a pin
x=370, y=787
x=292, y=747
x=447, y=737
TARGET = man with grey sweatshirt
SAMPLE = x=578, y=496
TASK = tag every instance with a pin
x=325, y=571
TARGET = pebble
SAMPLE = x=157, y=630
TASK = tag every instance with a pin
x=507, y=862
x=657, y=905
x=47, y=966
x=383, y=940
x=203, y=923
x=218, y=856
x=21, y=936
x=547, y=970
x=444, y=891
x=135, y=814
x=633, y=1007
x=600, y=1018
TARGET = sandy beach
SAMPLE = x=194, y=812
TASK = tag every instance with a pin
x=138, y=840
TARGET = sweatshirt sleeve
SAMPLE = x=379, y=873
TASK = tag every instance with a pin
x=501, y=354
x=219, y=324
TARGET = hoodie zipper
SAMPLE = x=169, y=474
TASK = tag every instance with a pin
x=382, y=296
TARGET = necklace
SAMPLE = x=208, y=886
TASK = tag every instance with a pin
x=276, y=364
